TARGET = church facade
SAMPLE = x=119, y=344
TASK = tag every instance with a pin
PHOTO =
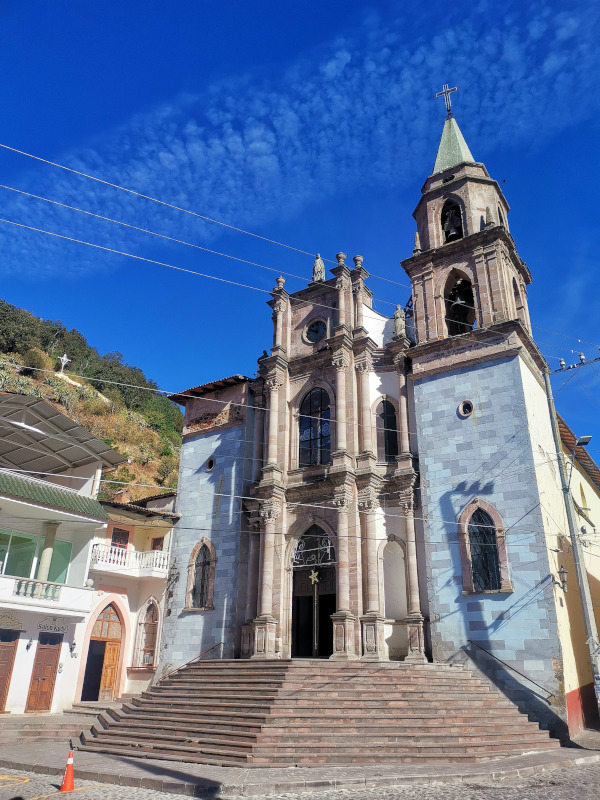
x=386, y=488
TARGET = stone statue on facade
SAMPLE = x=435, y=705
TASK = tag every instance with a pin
x=318, y=269
x=399, y=323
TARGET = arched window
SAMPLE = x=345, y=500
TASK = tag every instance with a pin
x=518, y=301
x=147, y=635
x=201, y=577
x=452, y=224
x=483, y=553
x=315, y=429
x=387, y=431
x=485, y=564
x=460, y=305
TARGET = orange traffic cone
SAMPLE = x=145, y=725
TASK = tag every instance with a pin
x=67, y=784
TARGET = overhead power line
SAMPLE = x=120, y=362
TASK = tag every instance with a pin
x=155, y=200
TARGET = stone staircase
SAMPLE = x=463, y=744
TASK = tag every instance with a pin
x=278, y=713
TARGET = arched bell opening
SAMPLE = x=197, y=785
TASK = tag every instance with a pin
x=313, y=595
x=519, y=305
x=452, y=222
x=460, y=304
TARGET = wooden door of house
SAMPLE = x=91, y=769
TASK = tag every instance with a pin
x=45, y=667
x=8, y=647
x=109, y=671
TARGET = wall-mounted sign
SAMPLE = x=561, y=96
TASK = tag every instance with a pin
x=8, y=622
x=52, y=625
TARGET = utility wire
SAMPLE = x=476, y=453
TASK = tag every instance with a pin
x=155, y=200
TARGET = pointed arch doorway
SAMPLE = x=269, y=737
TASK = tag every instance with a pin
x=313, y=595
x=102, y=667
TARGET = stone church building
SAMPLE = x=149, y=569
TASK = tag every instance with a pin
x=386, y=488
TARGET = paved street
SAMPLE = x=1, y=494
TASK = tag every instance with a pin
x=574, y=783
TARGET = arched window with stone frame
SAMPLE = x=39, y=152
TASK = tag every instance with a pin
x=386, y=430
x=201, y=577
x=482, y=541
x=452, y=221
x=147, y=634
x=459, y=302
x=314, y=428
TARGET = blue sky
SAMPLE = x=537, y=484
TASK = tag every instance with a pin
x=303, y=125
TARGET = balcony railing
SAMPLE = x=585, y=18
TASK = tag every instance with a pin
x=37, y=590
x=134, y=562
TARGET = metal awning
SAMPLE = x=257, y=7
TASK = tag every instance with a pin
x=36, y=437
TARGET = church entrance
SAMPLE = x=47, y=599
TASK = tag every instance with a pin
x=313, y=595
x=101, y=669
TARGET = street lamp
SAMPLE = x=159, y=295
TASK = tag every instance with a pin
x=582, y=441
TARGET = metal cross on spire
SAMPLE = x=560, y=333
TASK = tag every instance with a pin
x=446, y=92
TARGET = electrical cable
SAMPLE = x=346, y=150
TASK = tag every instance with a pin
x=155, y=200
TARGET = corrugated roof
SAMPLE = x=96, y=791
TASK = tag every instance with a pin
x=581, y=454
x=152, y=497
x=205, y=388
x=46, y=494
x=36, y=437
x=146, y=512
x=453, y=149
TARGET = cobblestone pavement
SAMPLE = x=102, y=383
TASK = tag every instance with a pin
x=17, y=785
x=574, y=783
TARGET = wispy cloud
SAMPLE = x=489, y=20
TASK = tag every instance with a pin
x=357, y=114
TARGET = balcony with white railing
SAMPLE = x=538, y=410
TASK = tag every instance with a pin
x=132, y=563
x=44, y=596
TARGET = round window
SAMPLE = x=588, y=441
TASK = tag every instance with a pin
x=465, y=409
x=210, y=465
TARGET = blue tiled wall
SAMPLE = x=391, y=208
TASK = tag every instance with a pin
x=487, y=455
x=208, y=509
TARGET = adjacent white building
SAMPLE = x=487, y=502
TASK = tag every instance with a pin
x=81, y=587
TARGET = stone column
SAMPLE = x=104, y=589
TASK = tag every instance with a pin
x=416, y=644
x=403, y=407
x=372, y=621
x=50, y=529
x=278, y=310
x=253, y=568
x=265, y=623
x=343, y=619
x=358, y=301
x=340, y=362
x=274, y=385
x=363, y=368
x=340, y=285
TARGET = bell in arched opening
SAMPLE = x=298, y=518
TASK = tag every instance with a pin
x=452, y=225
x=460, y=305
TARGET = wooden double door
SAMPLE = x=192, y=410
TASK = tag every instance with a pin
x=43, y=676
x=8, y=648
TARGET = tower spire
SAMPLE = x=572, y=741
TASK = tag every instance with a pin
x=453, y=149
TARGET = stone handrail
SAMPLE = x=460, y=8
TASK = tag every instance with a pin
x=37, y=590
x=120, y=557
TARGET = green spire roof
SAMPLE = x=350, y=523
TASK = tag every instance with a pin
x=453, y=149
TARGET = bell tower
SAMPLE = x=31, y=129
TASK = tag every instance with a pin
x=482, y=424
x=465, y=269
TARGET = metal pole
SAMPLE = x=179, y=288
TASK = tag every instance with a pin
x=591, y=631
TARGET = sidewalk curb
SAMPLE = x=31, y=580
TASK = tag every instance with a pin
x=206, y=788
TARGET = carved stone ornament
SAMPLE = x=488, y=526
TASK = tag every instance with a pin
x=339, y=361
x=318, y=269
x=274, y=384
x=278, y=308
x=364, y=366
x=270, y=512
x=358, y=261
x=341, y=259
x=341, y=502
x=340, y=284
x=367, y=502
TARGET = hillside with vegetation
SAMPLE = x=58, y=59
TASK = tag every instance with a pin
x=104, y=394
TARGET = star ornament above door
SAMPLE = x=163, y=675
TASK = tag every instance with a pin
x=314, y=576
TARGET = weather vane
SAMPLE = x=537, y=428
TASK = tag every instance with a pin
x=446, y=92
